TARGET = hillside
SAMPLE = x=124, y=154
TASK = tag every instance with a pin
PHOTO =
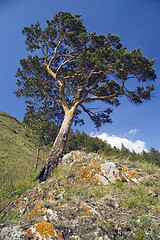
x=17, y=158
x=88, y=197
x=112, y=195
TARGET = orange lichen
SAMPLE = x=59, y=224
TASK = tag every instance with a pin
x=46, y=229
x=50, y=196
x=78, y=166
x=39, y=219
x=17, y=201
x=114, y=174
x=64, y=183
x=89, y=210
x=92, y=161
x=30, y=235
x=120, y=168
x=131, y=175
x=38, y=207
x=86, y=208
x=43, y=229
x=125, y=169
x=88, y=173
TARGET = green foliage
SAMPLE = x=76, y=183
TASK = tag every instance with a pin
x=138, y=198
x=41, y=127
x=140, y=234
x=12, y=215
x=73, y=67
x=81, y=141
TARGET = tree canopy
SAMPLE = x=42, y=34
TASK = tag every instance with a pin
x=74, y=67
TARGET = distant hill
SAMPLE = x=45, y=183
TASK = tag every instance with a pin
x=17, y=158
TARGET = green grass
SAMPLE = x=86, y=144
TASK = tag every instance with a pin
x=17, y=159
x=141, y=200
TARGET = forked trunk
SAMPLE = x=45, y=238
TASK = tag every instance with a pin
x=58, y=147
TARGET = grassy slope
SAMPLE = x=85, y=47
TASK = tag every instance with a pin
x=17, y=158
x=122, y=210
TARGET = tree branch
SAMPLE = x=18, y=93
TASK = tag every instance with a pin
x=55, y=52
x=66, y=62
x=74, y=76
x=89, y=77
x=89, y=114
x=36, y=44
x=96, y=82
x=103, y=98
x=52, y=99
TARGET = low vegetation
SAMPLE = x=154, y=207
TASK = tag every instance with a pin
x=18, y=156
x=132, y=209
x=72, y=203
x=17, y=159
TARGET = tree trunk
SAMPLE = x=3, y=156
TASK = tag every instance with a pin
x=37, y=159
x=58, y=147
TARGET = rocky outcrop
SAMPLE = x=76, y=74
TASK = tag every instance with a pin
x=82, y=201
x=74, y=157
x=112, y=173
x=106, y=173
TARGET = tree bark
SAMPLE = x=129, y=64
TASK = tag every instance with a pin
x=58, y=147
x=37, y=159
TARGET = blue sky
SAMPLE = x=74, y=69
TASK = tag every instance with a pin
x=137, y=22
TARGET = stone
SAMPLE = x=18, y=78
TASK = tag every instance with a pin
x=74, y=156
x=101, y=179
x=8, y=233
x=111, y=172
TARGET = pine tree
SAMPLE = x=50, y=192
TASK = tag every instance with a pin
x=41, y=127
x=72, y=67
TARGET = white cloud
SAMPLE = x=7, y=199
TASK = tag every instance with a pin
x=133, y=131
x=138, y=146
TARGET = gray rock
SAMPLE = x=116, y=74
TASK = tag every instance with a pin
x=74, y=156
x=8, y=233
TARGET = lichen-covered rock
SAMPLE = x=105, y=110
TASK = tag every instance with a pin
x=43, y=231
x=74, y=156
x=106, y=173
x=112, y=173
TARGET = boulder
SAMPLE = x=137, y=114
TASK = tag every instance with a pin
x=74, y=156
x=112, y=173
